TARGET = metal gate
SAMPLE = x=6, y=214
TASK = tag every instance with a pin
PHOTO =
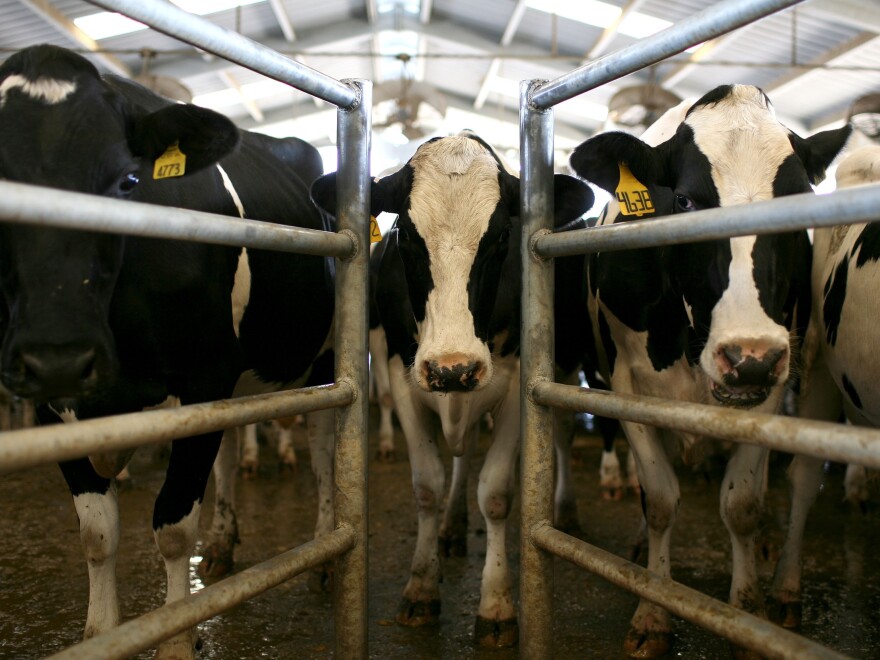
x=348, y=542
x=540, y=541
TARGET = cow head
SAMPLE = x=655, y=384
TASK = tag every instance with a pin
x=63, y=126
x=741, y=294
x=450, y=276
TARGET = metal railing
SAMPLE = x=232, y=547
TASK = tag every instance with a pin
x=540, y=542
x=348, y=543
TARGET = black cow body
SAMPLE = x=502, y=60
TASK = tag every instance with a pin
x=709, y=322
x=448, y=296
x=101, y=324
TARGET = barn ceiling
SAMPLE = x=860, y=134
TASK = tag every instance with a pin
x=466, y=58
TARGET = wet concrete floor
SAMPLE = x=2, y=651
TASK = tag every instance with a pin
x=44, y=585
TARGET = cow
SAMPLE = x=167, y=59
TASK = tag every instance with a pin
x=448, y=296
x=714, y=322
x=840, y=365
x=99, y=323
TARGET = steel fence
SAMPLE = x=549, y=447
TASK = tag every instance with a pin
x=540, y=542
x=348, y=395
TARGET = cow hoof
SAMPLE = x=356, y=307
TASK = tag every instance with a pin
x=489, y=633
x=452, y=545
x=248, y=470
x=647, y=644
x=788, y=615
x=180, y=647
x=415, y=614
x=217, y=561
x=386, y=455
x=321, y=580
x=612, y=494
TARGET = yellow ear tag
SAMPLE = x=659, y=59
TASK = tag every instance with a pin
x=632, y=195
x=375, y=232
x=170, y=164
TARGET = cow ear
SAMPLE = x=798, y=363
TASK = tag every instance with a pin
x=817, y=151
x=571, y=198
x=598, y=160
x=204, y=136
x=391, y=193
x=323, y=192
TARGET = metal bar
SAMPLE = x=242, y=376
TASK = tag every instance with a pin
x=232, y=46
x=717, y=19
x=796, y=212
x=28, y=448
x=352, y=282
x=536, y=364
x=28, y=204
x=148, y=630
x=738, y=626
x=827, y=440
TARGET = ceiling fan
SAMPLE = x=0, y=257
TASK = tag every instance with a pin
x=404, y=99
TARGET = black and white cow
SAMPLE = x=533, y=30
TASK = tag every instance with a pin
x=841, y=365
x=710, y=322
x=98, y=324
x=449, y=300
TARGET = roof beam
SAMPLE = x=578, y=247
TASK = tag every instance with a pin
x=50, y=14
x=372, y=11
x=249, y=104
x=861, y=14
x=425, y=11
x=513, y=23
x=601, y=44
x=283, y=19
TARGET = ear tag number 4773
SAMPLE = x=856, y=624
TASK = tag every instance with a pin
x=632, y=195
x=170, y=164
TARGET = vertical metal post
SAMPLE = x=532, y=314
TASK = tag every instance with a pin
x=536, y=350
x=352, y=279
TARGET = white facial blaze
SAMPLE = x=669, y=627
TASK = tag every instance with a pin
x=744, y=143
x=241, y=288
x=455, y=191
x=739, y=314
x=42, y=89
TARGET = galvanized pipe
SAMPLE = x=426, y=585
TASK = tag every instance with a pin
x=791, y=213
x=536, y=359
x=149, y=629
x=36, y=205
x=713, y=21
x=26, y=448
x=352, y=328
x=232, y=46
x=836, y=442
x=742, y=628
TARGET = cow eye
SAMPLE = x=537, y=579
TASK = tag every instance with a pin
x=683, y=203
x=128, y=182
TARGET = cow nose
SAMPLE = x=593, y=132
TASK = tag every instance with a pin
x=60, y=369
x=454, y=376
x=742, y=365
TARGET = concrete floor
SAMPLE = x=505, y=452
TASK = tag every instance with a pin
x=44, y=588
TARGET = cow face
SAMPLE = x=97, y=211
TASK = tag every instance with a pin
x=62, y=126
x=739, y=294
x=449, y=284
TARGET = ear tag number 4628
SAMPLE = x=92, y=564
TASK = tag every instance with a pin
x=632, y=195
x=170, y=164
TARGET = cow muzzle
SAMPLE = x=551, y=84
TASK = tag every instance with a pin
x=748, y=373
x=54, y=371
x=453, y=374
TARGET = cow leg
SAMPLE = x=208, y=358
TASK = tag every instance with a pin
x=176, y=525
x=284, y=436
x=321, y=428
x=217, y=552
x=610, y=474
x=819, y=399
x=855, y=485
x=250, y=452
x=379, y=372
x=496, y=623
x=565, y=509
x=97, y=509
x=650, y=633
x=454, y=525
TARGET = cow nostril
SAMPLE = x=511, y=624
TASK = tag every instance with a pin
x=454, y=378
x=754, y=367
x=55, y=365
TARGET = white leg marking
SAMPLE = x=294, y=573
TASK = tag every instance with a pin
x=99, y=532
